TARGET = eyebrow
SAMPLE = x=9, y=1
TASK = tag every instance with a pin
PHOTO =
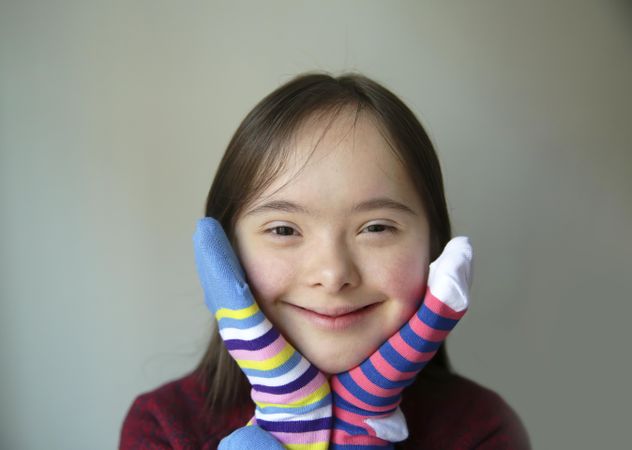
x=367, y=205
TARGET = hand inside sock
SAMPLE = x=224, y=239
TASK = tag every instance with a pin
x=292, y=397
x=367, y=397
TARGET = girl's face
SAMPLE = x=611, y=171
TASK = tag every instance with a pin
x=338, y=257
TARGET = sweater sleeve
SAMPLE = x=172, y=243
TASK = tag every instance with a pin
x=141, y=428
x=173, y=417
x=456, y=413
x=510, y=432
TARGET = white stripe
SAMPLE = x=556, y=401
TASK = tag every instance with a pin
x=320, y=413
x=286, y=378
x=247, y=334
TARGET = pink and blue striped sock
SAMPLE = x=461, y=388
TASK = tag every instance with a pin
x=292, y=397
x=367, y=398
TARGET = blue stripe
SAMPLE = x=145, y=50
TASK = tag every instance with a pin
x=283, y=368
x=297, y=426
x=256, y=344
x=355, y=430
x=378, y=379
x=417, y=342
x=343, y=404
x=292, y=386
x=248, y=322
x=361, y=394
x=396, y=360
x=436, y=321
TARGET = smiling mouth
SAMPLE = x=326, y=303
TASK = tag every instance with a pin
x=339, y=312
x=336, y=319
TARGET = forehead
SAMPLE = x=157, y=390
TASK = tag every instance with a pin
x=333, y=163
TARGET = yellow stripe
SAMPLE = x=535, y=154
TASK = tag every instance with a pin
x=312, y=446
x=270, y=363
x=314, y=397
x=237, y=313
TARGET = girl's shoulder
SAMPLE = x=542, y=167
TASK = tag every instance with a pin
x=173, y=416
x=451, y=411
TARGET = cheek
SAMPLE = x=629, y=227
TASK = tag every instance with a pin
x=403, y=276
x=267, y=275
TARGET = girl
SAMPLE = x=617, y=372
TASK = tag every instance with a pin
x=331, y=197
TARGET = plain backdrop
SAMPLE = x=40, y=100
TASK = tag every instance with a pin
x=113, y=118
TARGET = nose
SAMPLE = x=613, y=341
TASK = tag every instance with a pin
x=332, y=267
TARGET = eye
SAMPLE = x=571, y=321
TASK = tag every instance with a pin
x=379, y=228
x=282, y=230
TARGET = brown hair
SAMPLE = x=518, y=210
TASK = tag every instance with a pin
x=255, y=155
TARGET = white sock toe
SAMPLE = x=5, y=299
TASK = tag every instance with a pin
x=450, y=276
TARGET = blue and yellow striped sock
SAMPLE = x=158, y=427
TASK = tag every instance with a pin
x=292, y=397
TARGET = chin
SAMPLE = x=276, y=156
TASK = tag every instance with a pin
x=333, y=364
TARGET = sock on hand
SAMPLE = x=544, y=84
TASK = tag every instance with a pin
x=292, y=397
x=367, y=398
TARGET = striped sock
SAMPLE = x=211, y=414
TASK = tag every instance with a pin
x=367, y=398
x=292, y=397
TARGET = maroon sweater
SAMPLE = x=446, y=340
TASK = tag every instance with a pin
x=443, y=413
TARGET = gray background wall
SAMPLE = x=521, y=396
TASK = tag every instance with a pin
x=114, y=115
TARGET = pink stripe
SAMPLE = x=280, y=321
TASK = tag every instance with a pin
x=388, y=371
x=302, y=438
x=426, y=331
x=402, y=347
x=353, y=418
x=368, y=386
x=312, y=386
x=259, y=355
x=341, y=437
x=438, y=307
x=342, y=391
